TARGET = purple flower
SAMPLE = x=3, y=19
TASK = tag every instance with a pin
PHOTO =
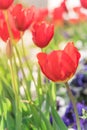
x=81, y=106
x=79, y=80
x=83, y=124
x=69, y=116
x=51, y=119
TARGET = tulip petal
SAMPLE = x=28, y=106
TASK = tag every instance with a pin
x=41, y=58
x=72, y=52
x=67, y=66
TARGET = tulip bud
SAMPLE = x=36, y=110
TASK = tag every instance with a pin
x=42, y=34
x=9, y=49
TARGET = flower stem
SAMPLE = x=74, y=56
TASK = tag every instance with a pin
x=28, y=65
x=8, y=26
x=74, y=105
x=28, y=94
x=13, y=78
x=17, y=101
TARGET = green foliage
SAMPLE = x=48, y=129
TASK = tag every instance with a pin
x=18, y=111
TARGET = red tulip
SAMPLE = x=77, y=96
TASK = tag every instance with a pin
x=4, y=33
x=84, y=3
x=3, y=27
x=4, y=4
x=42, y=33
x=59, y=65
x=22, y=17
x=40, y=14
x=58, y=12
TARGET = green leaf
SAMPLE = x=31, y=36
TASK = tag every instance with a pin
x=6, y=106
x=2, y=124
x=58, y=120
x=36, y=117
x=45, y=120
x=10, y=122
x=47, y=123
x=43, y=126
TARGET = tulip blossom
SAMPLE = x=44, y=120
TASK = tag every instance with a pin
x=40, y=14
x=42, y=33
x=58, y=12
x=22, y=17
x=59, y=65
x=4, y=4
x=84, y=3
x=4, y=33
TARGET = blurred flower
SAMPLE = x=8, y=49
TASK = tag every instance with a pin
x=81, y=106
x=4, y=4
x=59, y=65
x=81, y=16
x=58, y=13
x=84, y=3
x=83, y=124
x=51, y=119
x=79, y=82
x=42, y=33
x=23, y=17
x=69, y=116
x=40, y=14
x=4, y=32
x=80, y=79
x=3, y=27
x=64, y=5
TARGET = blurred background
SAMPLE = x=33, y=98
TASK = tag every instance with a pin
x=48, y=3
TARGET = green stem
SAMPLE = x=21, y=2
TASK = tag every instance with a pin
x=24, y=76
x=8, y=25
x=74, y=105
x=23, y=48
x=13, y=78
x=37, y=86
x=17, y=104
